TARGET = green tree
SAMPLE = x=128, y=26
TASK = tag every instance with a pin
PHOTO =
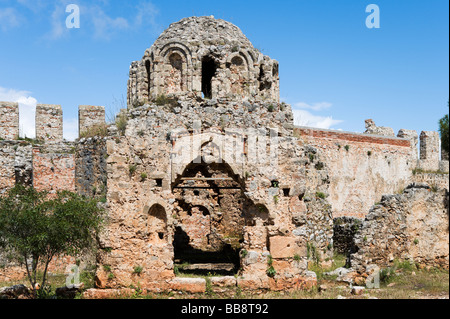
x=443, y=129
x=36, y=227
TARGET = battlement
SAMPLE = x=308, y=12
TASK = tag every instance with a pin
x=49, y=121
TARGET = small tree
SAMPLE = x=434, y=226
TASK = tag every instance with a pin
x=35, y=227
x=443, y=129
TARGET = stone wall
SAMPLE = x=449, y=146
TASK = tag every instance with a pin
x=54, y=167
x=362, y=167
x=282, y=200
x=434, y=180
x=7, y=172
x=9, y=121
x=49, y=123
x=413, y=226
x=90, y=167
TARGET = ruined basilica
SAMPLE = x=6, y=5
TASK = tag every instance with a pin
x=205, y=172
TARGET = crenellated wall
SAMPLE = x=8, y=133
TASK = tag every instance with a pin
x=47, y=162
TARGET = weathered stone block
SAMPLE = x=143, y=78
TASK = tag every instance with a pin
x=191, y=285
x=285, y=247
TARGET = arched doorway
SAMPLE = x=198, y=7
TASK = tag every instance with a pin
x=210, y=221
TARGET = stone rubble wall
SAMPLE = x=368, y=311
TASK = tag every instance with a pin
x=297, y=217
x=54, y=167
x=9, y=120
x=413, y=226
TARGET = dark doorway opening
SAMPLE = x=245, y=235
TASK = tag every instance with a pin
x=190, y=260
x=209, y=69
x=147, y=68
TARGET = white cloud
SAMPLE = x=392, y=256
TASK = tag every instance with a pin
x=305, y=118
x=9, y=18
x=315, y=107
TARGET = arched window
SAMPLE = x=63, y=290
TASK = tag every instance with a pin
x=157, y=222
x=174, y=80
x=237, y=69
x=209, y=69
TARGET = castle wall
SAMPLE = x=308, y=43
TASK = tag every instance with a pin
x=362, y=167
x=9, y=121
x=54, y=168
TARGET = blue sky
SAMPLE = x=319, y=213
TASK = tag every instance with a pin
x=334, y=71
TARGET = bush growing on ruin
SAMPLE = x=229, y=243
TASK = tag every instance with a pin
x=36, y=228
x=121, y=123
x=443, y=129
x=94, y=131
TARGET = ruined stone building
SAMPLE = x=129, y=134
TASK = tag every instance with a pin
x=205, y=171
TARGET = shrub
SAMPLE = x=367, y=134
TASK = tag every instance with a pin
x=162, y=100
x=271, y=272
x=121, y=123
x=96, y=130
x=132, y=169
x=138, y=270
x=321, y=195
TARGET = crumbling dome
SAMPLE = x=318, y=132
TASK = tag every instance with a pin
x=203, y=57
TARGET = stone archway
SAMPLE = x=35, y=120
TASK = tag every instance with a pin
x=209, y=230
